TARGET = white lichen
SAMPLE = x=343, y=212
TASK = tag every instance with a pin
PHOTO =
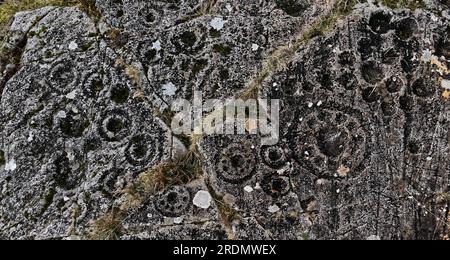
x=72, y=95
x=11, y=166
x=156, y=45
x=427, y=55
x=73, y=46
x=217, y=23
x=169, y=89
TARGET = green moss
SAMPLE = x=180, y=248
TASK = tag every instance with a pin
x=215, y=33
x=169, y=62
x=306, y=236
x=223, y=49
x=188, y=38
x=150, y=55
x=86, y=47
x=74, y=128
x=93, y=35
x=199, y=66
x=97, y=85
x=120, y=94
x=115, y=125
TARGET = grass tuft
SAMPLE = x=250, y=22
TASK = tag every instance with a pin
x=107, y=227
x=205, y=9
x=179, y=171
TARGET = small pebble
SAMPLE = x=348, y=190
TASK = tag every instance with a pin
x=202, y=199
x=11, y=165
x=73, y=46
x=248, y=189
x=274, y=209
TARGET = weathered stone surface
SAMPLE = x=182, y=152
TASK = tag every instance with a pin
x=364, y=131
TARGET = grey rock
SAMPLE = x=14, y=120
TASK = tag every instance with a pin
x=364, y=144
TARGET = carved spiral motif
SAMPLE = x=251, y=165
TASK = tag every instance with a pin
x=173, y=202
x=329, y=139
x=237, y=163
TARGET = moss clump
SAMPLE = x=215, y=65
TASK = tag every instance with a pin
x=120, y=94
x=115, y=125
x=188, y=38
x=169, y=62
x=215, y=33
x=223, y=49
x=97, y=86
x=38, y=33
x=85, y=47
x=199, y=66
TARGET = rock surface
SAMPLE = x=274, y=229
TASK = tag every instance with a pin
x=364, y=148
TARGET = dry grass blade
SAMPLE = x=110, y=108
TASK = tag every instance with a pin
x=108, y=227
x=181, y=170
